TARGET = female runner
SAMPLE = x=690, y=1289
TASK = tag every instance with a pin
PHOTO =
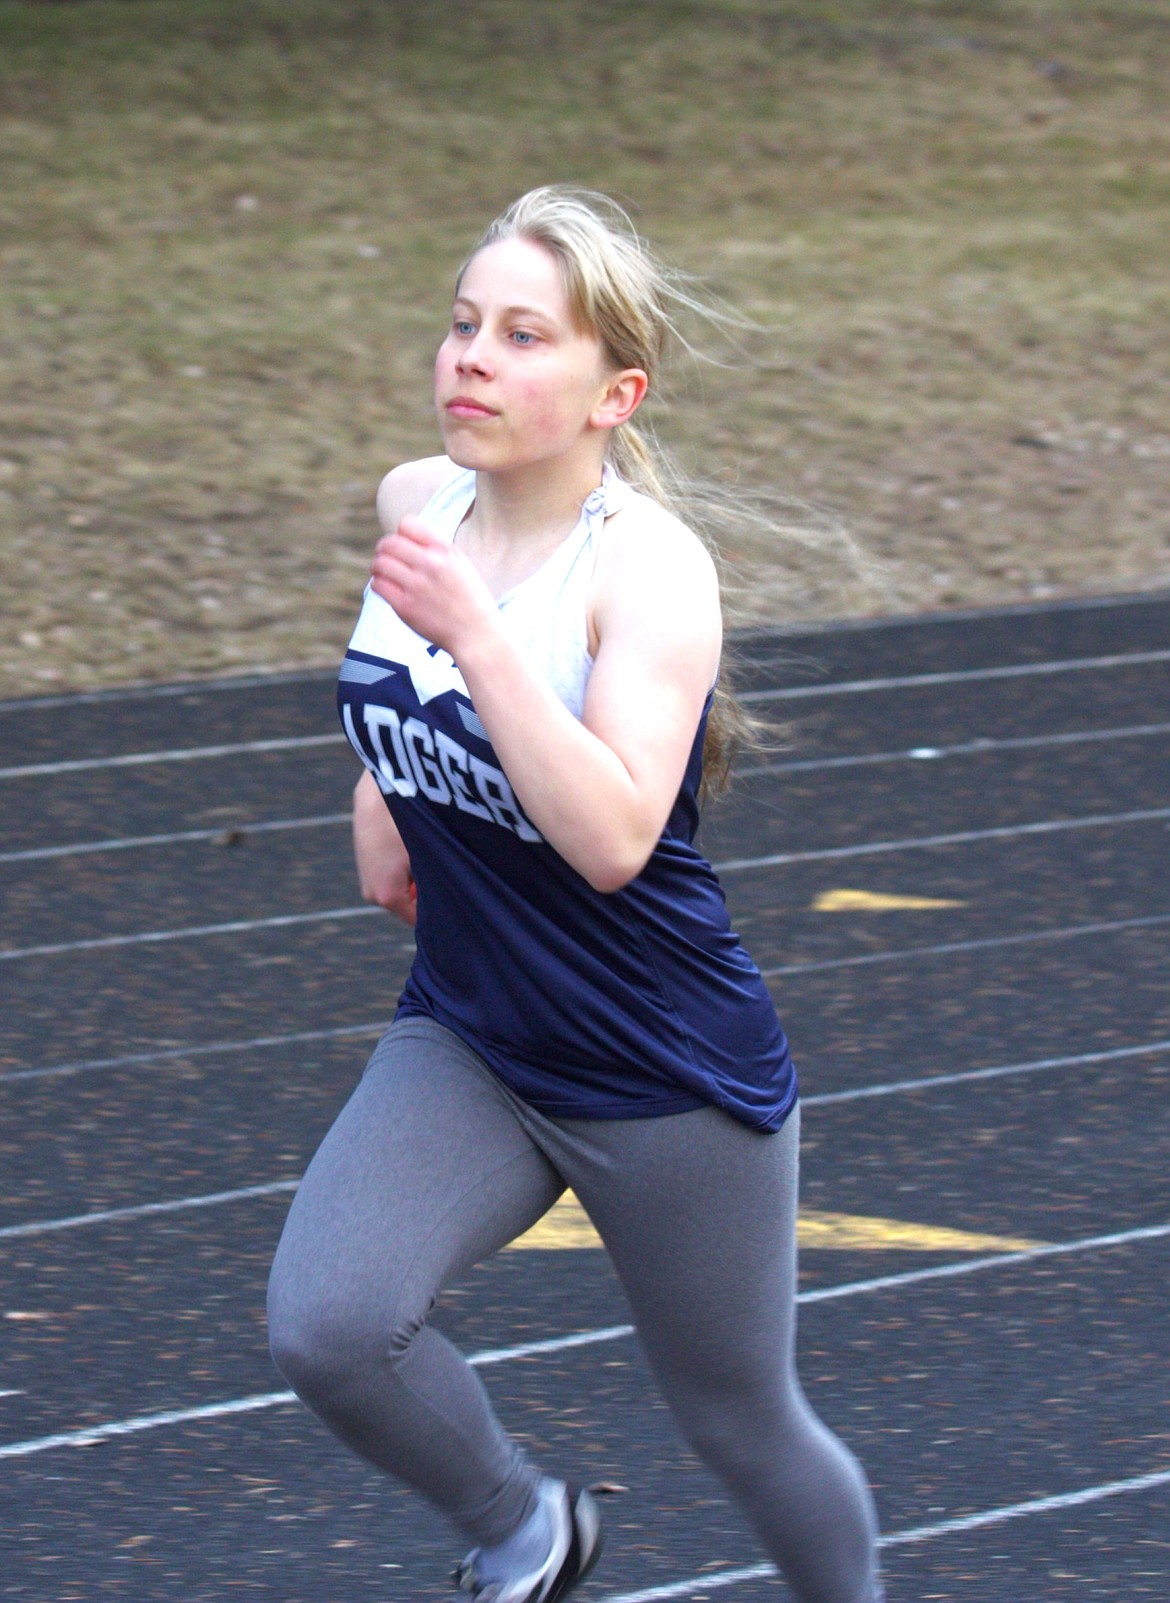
x=529, y=687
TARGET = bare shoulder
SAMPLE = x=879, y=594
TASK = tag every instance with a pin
x=656, y=590
x=644, y=544
x=408, y=487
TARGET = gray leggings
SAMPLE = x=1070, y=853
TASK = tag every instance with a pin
x=433, y=1165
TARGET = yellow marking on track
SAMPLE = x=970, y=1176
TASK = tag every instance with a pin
x=851, y=901
x=566, y=1224
x=566, y=1227
x=860, y=1232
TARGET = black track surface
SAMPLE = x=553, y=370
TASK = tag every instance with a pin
x=187, y=995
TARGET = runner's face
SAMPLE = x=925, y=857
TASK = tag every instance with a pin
x=516, y=382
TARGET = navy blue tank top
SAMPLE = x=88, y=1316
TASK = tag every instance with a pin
x=631, y=1004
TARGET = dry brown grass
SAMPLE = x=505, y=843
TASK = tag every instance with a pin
x=227, y=235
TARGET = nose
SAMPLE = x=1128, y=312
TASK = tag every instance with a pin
x=473, y=356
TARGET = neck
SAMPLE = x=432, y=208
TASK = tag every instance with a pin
x=533, y=503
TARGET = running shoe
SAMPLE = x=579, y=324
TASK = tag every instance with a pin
x=575, y=1549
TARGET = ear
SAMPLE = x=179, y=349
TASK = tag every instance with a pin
x=624, y=393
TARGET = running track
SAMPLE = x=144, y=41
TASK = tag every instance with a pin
x=190, y=986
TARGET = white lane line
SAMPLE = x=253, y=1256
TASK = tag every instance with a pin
x=977, y=747
x=175, y=838
x=966, y=748
x=239, y=1405
x=143, y=1210
x=826, y=1099
x=290, y=674
x=178, y=754
x=974, y=1266
x=212, y=1199
x=263, y=679
x=1071, y=932
x=889, y=1088
x=733, y=865
x=714, y=1581
x=1023, y=670
x=974, y=747
x=277, y=1399
x=141, y=1422
x=1035, y=1505
x=718, y=1579
x=1116, y=1054
x=168, y=1054
x=783, y=693
x=215, y=1199
x=239, y=926
x=553, y=1344
x=966, y=837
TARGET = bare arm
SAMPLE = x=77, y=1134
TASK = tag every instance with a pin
x=599, y=790
x=408, y=487
x=384, y=872
x=383, y=866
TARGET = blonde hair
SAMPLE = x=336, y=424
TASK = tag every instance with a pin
x=620, y=292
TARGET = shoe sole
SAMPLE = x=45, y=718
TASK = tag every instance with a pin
x=584, y=1546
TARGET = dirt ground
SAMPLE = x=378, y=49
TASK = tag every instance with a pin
x=227, y=243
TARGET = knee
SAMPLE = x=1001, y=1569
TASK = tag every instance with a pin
x=324, y=1339
x=306, y=1343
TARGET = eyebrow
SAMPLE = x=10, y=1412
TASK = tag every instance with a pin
x=510, y=311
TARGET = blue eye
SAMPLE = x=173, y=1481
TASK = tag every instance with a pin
x=522, y=337
x=462, y=326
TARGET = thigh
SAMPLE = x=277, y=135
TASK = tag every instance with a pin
x=698, y=1213
x=425, y=1172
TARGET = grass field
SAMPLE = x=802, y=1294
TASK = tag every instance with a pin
x=227, y=235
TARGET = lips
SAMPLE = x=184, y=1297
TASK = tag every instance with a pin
x=465, y=406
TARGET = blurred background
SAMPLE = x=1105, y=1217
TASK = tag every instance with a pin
x=228, y=235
